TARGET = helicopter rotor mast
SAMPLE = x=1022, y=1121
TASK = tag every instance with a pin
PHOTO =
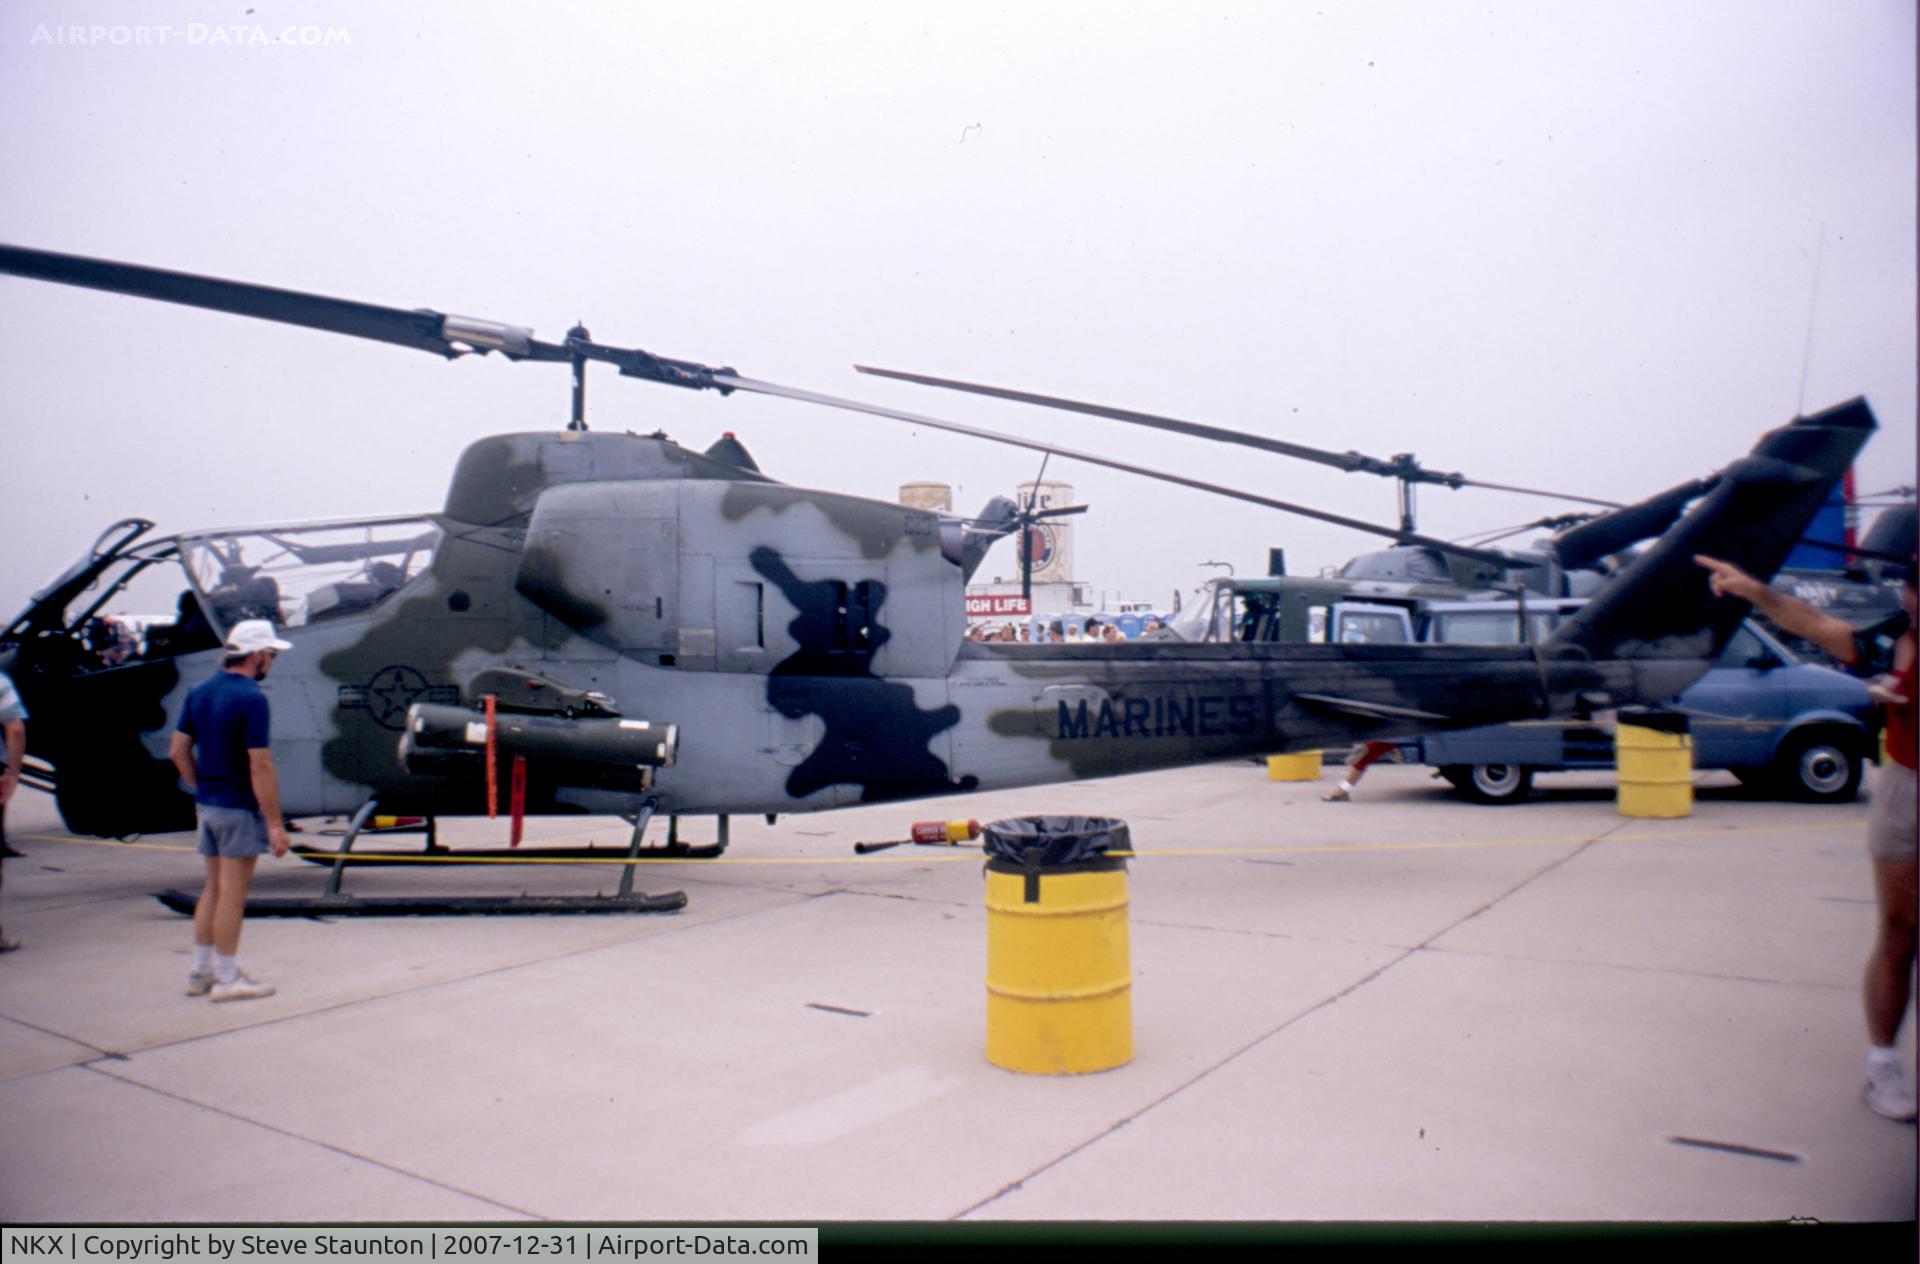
x=1028, y=518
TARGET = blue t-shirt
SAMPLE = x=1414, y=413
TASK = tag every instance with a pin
x=226, y=717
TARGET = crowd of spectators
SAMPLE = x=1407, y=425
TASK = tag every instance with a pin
x=1055, y=632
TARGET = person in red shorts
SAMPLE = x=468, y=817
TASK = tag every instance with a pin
x=1887, y=651
x=1362, y=757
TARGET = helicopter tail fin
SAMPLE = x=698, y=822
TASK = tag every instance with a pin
x=965, y=541
x=729, y=449
x=1754, y=514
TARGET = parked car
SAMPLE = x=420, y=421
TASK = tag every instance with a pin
x=1790, y=728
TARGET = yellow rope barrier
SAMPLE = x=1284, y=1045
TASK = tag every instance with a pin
x=973, y=853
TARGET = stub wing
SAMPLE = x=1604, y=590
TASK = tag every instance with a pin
x=1371, y=710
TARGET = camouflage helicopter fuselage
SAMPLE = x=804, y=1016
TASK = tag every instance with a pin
x=806, y=650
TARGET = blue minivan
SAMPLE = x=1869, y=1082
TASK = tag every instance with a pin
x=1789, y=728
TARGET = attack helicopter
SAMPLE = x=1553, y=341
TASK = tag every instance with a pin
x=614, y=624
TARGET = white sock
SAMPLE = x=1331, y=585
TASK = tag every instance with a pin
x=202, y=958
x=226, y=969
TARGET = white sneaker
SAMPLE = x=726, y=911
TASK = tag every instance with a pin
x=1887, y=1094
x=242, y=989
x=200, y=982
x=1335, y=795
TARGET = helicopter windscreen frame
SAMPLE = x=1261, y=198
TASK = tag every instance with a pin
x=300, y=575
x=1210, y=617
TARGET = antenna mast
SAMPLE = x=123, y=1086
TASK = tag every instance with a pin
x=1813, y=302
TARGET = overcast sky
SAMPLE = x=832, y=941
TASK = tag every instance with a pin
x=1593, y=246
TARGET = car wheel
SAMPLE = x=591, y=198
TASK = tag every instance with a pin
x=1490, y=783
x=1818, y=767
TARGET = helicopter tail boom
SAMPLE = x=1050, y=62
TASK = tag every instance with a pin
x=1754, y=514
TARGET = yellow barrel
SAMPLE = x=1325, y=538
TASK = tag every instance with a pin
x=1655, y=770
x=1299, y=766
x=1059, y=972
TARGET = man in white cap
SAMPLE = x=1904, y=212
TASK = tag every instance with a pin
x=221, y=750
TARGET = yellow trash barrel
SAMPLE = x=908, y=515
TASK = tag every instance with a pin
x=1059, y=967
x=1299, y=766
x=1654, y=758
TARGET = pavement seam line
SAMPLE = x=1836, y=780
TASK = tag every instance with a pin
x=1603, y=836
x=1640, y=969
x=97, y=1051
x=1315, y=1008
x=324, y=1145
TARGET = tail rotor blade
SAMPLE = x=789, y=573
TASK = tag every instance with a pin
x=1590, y=541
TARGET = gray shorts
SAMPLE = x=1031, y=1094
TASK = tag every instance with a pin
x=234, y=833
x=1890, y=826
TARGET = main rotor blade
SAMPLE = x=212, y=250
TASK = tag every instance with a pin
x=1349, y=461
x=1352, y=462
x=422, y=330
x=728, y=381
x=1535, y=491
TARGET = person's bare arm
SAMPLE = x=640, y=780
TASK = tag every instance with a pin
x=1790, y=614
x=180, y=751
x=266, y=791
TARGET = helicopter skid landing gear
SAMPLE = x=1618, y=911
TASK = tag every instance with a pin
x=444, y=905
x=336, y=903
x=674, y=849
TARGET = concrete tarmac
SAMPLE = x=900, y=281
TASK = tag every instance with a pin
x=1406, y=1007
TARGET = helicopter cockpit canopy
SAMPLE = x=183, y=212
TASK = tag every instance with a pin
x=301, y=575
x=106, y=610
x=1229, y=610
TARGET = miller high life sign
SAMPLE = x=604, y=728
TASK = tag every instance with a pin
x=995, y=605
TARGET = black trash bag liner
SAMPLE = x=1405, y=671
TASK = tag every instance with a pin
x=1046, y=841
x=1658, y=721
